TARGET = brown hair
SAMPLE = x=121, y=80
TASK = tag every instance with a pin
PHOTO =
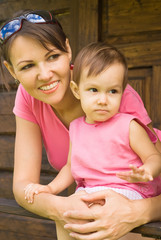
x=97, y=57
x=45, y=33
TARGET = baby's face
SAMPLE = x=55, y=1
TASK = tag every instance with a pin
x=100, y=95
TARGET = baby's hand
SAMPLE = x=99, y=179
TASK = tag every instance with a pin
x=32, y=189
x=137, y=174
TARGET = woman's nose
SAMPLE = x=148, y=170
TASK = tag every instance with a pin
x=44, y=73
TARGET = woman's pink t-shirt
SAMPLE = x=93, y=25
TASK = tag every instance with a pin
x=55, y=135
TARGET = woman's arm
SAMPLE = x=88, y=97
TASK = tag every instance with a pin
x=117, y=217
x=63, y=180
x=28, y=150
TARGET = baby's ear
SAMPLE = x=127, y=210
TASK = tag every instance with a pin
x=75, y=89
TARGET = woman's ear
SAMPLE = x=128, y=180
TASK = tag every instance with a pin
x=69, y=49
x=10, y=69
x=75, y=89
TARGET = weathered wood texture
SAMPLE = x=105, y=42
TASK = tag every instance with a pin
x=134, y=27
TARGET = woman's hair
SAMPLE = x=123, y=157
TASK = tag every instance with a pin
x=97, y=57
x=47, y=33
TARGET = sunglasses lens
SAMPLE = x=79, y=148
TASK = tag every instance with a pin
x=34, y=18
x=13, y=26
x=10, y=28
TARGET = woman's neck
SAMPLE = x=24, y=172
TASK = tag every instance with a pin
x=68, y=110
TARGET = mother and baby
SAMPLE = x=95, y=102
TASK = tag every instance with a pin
x=89, y=112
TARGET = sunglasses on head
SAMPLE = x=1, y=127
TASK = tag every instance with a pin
x=14, y=25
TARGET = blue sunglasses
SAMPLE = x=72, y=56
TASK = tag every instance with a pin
x=14, y=25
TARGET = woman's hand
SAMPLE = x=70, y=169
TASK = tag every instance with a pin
x=114, y=219
x=73, y=202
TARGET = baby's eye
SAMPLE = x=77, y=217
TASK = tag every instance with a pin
x=113, y=91
x=93, y=90
x=27, y=66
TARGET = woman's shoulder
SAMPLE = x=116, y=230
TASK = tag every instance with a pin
x=132, y=103
x=130, y=93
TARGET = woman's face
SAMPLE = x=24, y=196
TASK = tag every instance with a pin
x=45, y=74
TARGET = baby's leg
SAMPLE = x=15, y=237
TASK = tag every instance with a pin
x=62, y=234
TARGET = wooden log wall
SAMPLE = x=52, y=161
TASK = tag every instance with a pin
x=133, y=26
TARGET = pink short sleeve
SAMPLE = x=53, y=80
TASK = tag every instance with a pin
x=23, y=105
x=132, y=104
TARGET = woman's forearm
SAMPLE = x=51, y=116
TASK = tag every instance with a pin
x=45, y=205
x=48, y=205
x=150, y=209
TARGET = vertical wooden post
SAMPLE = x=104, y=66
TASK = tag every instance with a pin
x=156, y=96
x=84, y=22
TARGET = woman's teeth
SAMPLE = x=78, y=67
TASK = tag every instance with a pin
x=48, y=87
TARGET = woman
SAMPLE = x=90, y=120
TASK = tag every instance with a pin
x=36, y=52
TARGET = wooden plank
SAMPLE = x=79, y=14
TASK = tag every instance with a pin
x=129, y=22
x=152, y=230
x=7, y=124
x=12, y=6
x=6, y=180
x=19, y=236
x=156, y=96
x=7, y=155
x=32, y=228
x=132, y=38
x=140, y=79
x=7, y=100
x=127, y=17
x=7, y=144
x=84, y=22
x=142, y=54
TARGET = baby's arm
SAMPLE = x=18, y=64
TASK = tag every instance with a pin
x=60, y=182
x=145, y=149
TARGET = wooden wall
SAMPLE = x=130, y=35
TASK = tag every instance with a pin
x=133, y=26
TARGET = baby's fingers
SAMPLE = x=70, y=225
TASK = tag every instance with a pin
x=136, y=169
x=30, y=191
x=124, y=175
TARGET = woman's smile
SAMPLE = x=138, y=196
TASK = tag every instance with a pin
x=49, y=88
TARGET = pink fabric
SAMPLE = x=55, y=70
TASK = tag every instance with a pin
x=100, y=150
x=132, y=103
x=54, y=133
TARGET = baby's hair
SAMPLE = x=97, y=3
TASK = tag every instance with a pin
x=97, y=57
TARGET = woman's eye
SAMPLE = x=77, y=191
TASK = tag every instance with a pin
x=113, y=91
x=27, y=66
x=54, y=56
x=93, y=90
